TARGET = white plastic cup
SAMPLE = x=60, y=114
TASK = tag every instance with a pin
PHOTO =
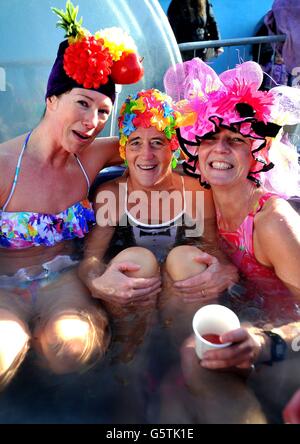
x=212, y=319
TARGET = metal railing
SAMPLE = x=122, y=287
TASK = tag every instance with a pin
x=231, y=42
x=245, y=42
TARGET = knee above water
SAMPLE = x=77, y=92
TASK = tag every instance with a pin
x=140, y=256
x=14, y=343
x=181, y=264
x=70, y=342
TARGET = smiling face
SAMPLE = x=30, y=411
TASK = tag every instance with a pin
x=79, y=116
x=149, y=156
x=225, y=158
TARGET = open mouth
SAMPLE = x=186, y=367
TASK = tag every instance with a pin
x=220, y=165
x=81, y=135
x=147, y=167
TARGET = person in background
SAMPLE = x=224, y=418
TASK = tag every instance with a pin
x=45, y=177
x=270, y=60
x=194, y=21
x=284, y=18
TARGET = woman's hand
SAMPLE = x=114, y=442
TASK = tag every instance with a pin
x=207, y=286
x=245, y=349
x=115, y=287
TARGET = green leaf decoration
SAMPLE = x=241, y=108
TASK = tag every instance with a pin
x=168, y=132
x=174, y=163
x=68, y=19
x=74, y=13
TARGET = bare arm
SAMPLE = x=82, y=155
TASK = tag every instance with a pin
x=277, y=242
x=106, y=149
x=250, y=345
x=276, y=245
x=102, y=153
x=3, y=192
x=92, y=265
x=110, y=283
x=98, y=240
x=9, y=152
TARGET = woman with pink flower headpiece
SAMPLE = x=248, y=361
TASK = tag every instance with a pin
x=232, y=136
x=142, y=216
x=45, y=177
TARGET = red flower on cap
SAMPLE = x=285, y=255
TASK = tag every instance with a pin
x=88, y=62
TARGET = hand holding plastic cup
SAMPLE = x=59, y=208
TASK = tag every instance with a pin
x=209, y=323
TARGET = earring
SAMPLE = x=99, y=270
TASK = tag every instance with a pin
x=175, y=158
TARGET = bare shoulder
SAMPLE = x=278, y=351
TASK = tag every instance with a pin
x=9, y=152
x=277, y=240
x=9, y=147
x=193, y=184
x=105, y=142
x=190, y=183
x=276, y=215
x=104, y=150
x=107, y=200
x=111, y=186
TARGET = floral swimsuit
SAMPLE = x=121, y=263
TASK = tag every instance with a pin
x=24, y=229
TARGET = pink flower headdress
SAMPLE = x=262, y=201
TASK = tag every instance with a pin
x=231, y=100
